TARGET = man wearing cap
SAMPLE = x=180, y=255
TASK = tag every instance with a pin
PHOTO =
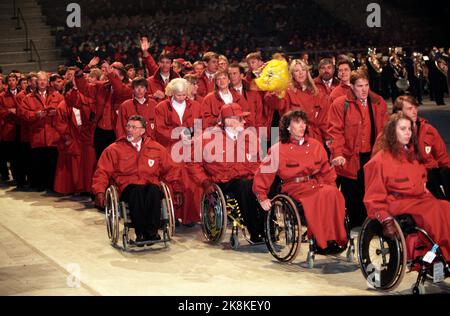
x=229, y=158
x=137, y=164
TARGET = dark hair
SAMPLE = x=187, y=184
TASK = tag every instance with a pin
x=54, y=77
x=285, y=122
x=138, y=118
x=139, y=81
x=13, y=75
x=345, y=62
x=164, y=56
x=399, y=102
x=236, y=65
x=388, y=139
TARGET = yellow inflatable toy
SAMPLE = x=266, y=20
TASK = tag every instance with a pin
x=274, y=77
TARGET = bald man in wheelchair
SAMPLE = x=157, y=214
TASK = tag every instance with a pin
x=136, y=165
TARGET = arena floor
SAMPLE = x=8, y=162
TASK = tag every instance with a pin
x=47, y=241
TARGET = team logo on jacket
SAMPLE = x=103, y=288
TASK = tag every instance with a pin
x=428, y=149
x=152, y=125
x=151, y=162
x=249, y=157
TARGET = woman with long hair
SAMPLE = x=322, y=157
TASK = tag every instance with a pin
x=395, y=181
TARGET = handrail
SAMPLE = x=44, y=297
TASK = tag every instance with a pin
x=14, y=17
x=18, y=27
x=32, y=45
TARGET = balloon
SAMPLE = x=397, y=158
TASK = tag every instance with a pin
x=274, y=77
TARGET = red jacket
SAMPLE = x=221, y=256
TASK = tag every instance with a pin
x=156, y=82
x=167, y=119
x=224, y=159
x=340, y=90
x=254, y=105
x=432, y=146
x=323, y=88
x=316, y=108
x=322, y=202
x=212, y=104
x=346, y=136
x=205, y=86
x=42, y=130
x=396, y=186
x=133, y=107
x=101, y=93
x=24, y=125
x=9, y=121
x=122, y=165
x=150, y=64
x=74, y=99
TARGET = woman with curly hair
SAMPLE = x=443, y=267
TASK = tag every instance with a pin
x=395, y=180
x=302, y=164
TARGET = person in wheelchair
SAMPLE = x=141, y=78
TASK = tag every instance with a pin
x=231, y=162
x=302, y=164
x=395, y=179
x=137, y=164
x=431, y=146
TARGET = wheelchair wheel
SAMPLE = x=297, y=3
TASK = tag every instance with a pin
x=283, y=229
x=112, y=214
x=213, y=214
x=382, y=260
x=167, y=206
x=234, y=241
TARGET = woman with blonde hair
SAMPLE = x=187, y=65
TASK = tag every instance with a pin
x=174, y=130
x=304, y=95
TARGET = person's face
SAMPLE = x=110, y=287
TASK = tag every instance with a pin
x=33, y=82
x=58, y=84
x=91, y=79
x=235, y=122
x=235, y=76
x=194, y=88
x=165, y=64
x=344, y=72
x=42, y=82
x=222, y=64
x=140, y=92
x=198, y=69
x=135, y=130
x=361, y=88
x=299, y=74
x=23, y=84
x=180, y=96
x=404, y=131
x=69, y=75
x=297, y=128
x=12, y=83
x=1, y=84
x=131, y=73
x=254, y=64
x=222, y=82
x=177, y=67
x=410, y=110
x=326, y=72
x=212, y=65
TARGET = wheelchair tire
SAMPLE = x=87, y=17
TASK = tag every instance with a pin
x=213, y=214
x=112, y=216
x=382, y=260
x=283, y=220
x=170, y=210
x=234, y=241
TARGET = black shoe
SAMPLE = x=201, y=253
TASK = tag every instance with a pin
x=140, y=238
x=189, y=225
x=153, y=237
x=257, y=239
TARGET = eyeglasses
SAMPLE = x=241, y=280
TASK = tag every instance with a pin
x=133, y=127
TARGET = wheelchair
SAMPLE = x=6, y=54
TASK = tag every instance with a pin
x=117, y=214
x=283, y=230
x=216, y=210
x=383, y=260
